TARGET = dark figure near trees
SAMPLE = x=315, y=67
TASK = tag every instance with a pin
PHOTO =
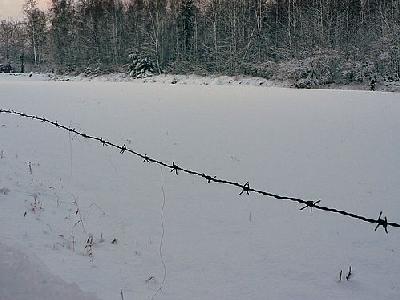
x=372, y=84
x=22, y=63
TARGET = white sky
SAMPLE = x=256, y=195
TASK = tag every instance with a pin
x=13, y=8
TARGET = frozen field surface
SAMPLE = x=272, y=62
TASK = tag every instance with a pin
x=201, y=241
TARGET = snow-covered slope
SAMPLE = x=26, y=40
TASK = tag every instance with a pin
x=58, y=189
x=23, y=277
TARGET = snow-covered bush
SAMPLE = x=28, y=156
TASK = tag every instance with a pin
x=264, y=70
x=7, y=68
x=141, y=67
x=309, y=72
x=354, y=71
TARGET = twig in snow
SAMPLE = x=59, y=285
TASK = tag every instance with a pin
x=78, y=213
x=89, y=246
x=349, y=274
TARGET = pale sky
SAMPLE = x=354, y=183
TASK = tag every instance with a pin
x=13, y=8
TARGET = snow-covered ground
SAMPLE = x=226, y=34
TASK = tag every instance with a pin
x=23, y=277
x=387, y=86
x=163, y=78
x=56, y=190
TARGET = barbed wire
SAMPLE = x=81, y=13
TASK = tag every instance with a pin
x=245, y=188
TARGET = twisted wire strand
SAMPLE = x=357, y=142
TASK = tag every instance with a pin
x=245, y=188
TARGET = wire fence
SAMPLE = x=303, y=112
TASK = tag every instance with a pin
x=244, y=187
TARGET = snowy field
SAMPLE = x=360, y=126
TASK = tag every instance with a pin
x=58, y=189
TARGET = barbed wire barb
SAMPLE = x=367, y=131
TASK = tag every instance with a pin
x=310, y=204
x=382, y=222
x=123, y=149
x=175, y=168
x=246, y=189
x=146, y=158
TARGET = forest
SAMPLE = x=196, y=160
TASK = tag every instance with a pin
x=331, y=41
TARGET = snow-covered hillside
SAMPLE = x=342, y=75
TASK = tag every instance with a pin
x=196, y=240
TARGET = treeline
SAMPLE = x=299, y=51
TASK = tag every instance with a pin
x=331, y=40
